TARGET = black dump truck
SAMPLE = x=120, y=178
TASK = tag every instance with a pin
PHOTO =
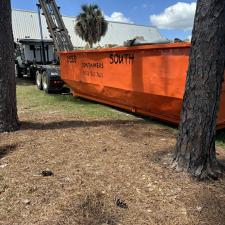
x=38, y=58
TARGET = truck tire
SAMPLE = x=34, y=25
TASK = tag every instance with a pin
x=45, y=82
x=39, y=80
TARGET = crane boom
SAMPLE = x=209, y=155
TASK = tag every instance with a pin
x=56, y=26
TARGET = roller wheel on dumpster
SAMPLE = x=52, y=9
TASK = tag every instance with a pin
x=46, y=82
x=39, y=80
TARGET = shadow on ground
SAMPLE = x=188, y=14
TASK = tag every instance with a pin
x=6, y=149
x=76, y=124
x=162, y=157
x=89, y=209
x=93, y=209
x=204, y=201
x=25, y=81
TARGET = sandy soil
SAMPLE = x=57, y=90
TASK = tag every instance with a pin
x=104, y=172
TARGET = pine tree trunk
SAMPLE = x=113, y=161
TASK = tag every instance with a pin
x=8, y=110
x=195, y=150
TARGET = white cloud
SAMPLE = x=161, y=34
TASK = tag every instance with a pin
x=178, y=16
x=118, y=17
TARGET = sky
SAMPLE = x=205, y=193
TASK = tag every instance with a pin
x=173, y=18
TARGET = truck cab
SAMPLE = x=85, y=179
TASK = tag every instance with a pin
x=29, y=56
x=32, y=62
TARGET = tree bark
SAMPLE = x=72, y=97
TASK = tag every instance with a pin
x=195, y=149
x=8, y=110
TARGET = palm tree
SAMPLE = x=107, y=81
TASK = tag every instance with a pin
x=91, y=24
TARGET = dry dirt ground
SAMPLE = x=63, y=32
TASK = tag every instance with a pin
x=113, y=172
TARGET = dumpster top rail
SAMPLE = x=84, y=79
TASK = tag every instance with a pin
x=133, y=48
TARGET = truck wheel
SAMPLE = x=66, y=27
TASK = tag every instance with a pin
x=46, y=82
x=39, y=80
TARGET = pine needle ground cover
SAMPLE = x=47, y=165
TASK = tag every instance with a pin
x=103, y=166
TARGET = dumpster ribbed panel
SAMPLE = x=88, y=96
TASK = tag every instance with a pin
x=148, y=80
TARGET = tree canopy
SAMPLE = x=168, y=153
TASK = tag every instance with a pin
x=91, y=24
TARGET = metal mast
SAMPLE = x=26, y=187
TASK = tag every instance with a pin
x=56, y=26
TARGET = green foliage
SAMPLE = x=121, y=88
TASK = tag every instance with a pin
x=31, y=100
x=220, y=138
x=91, y=25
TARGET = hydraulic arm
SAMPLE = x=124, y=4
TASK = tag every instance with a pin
x=56, y=26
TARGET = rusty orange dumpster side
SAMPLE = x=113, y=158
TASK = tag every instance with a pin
x=147, y=80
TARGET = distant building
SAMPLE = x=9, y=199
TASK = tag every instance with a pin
x=25, y=25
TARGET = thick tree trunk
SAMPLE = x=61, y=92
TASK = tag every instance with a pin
x=195, y=150
x=8, y=110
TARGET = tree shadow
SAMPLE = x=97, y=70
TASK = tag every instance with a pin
x=28, y=125
x=162, y=157
x=7, y=149
x=92, y=209
x=210, y=202
x=137, y=133
x=204, y=201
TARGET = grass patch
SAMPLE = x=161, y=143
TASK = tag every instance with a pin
x=35, y=101
x=220, y=138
